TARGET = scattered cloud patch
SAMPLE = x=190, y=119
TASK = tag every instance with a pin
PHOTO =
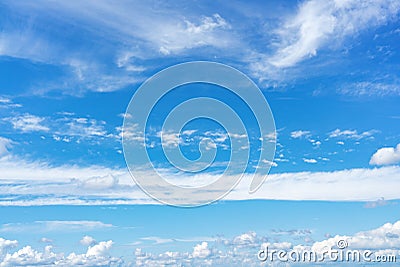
x=351, y=134
x=300, y=134
x=28, y=123
x=379, y=89
x=313, y=161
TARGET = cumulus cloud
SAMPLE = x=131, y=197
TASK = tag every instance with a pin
x=96, y=255
x=87, y=241
x=386, y=156
x=234, y=251
x=201, y=250
x=242, y=249
x=6, y=244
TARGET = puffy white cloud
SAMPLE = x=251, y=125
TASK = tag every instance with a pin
x=321, y=23
x=87, y=241
x=100, y=249
x=96, y=255
x=5, y=244
x=201, y=250
x=235, y=251
x=386, y=156
x=242, y=249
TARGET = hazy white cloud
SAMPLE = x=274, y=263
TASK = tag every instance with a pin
x=299, y=134
x=370, y=89
x=351, y=134
x=50, y=226
x=189, y=35
x=318, y=24
x=132, y=34
x=5, y=145
x=6, y=102
x=386, y=156
x=46, y=240
x=28, y=123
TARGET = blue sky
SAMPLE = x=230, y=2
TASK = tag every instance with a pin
x=329, y=71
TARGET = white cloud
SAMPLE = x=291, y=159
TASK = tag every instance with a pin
x=386, y=156
x=38, y=183
x=6, y=244
x=235, y=251
x=6, y=102
x=101, y=249
x=28, y=123
x=351, y=134
x=131, y=34
x=100, y=182
x=309, y=160
x=320, y=23
x=201, y=250
x=241, y=250
x=87, y=241
x=82, y=127
x=299, y=134
x=96, y=255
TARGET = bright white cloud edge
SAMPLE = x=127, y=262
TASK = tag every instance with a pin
x=92, y=185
